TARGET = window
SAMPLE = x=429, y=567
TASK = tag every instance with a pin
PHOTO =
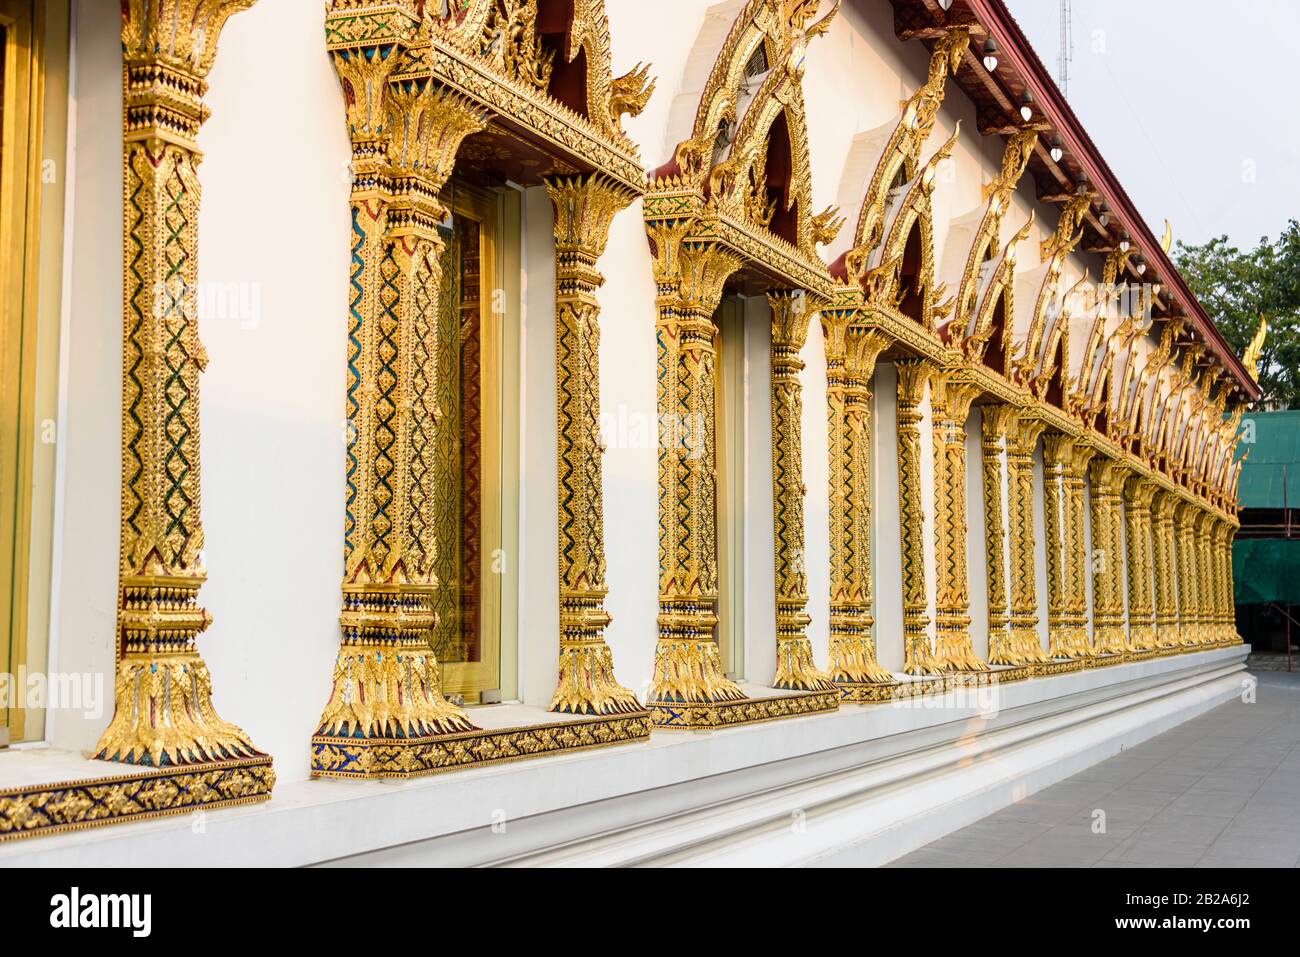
x=729, y=429
x=33, y=120
x=476, y=497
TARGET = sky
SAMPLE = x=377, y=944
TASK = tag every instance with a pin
x=1192, y=103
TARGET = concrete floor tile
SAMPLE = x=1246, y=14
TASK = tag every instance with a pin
x=1164, y=853
x=1221, y=790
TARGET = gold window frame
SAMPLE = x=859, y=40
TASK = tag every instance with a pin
x=497, y=213
x=33, y=121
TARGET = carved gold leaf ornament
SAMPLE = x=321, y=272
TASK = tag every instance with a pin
x=1254, y=348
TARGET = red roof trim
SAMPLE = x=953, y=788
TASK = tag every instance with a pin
x=1017, y=52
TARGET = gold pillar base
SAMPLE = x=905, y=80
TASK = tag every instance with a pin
x=587, y=684
x=853, y=662
x=1167, y=637
x=164, y=716
x=690, y=670
x=953, y=652
x=38, y=809
x=1071, y=642
x=388, y=694
x=1142, y=638
x=690, y=691
x=1003, y=650
x=1017, y=648
x=363, y=758
x=1025, y=641
x=919, y=660
x=1110, y=640
x=795, y=669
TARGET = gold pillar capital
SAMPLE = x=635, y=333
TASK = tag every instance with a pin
x=585, y=207
x=180, y=35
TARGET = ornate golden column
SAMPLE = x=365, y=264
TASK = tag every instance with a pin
x=996, y=422
x=795, y=670
x=690, y=278
x=386, y=687
x=1205, y=569
x=1214, y=631
x=584, y=209
x=1138, y=493
x=1200, y=558
x=163, y=712
x=1022, y=440
x=851, y=355
x=950, y=401
x=1218, y=622
x=1107, y=602
x=1078, y=558
x=1167, y=634
x=1057, y=450
x=913, y=377
x=1185, y=562
x=1230, y=634
x=1067, y=464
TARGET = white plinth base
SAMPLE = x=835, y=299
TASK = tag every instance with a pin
x=862, y=785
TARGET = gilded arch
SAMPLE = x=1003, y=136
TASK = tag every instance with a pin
x=885, y=300
x=735, y=207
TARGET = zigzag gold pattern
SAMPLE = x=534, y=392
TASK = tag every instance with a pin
x=851, y=354
x=584, y=209
x=1022, y=440
x=709, y=215
x=795, y=670
x=913, y=380
x=163, y=712
x=1107, y=599
x=996, y=421
x=950, y=401
x=1167, y=632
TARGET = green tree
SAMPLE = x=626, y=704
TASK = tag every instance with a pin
x=1235, y=287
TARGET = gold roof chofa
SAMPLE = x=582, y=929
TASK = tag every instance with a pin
x=503, y=59
x=742, y=180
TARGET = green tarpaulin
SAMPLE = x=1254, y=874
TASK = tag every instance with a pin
x=1273, y=441
x=1266, y=570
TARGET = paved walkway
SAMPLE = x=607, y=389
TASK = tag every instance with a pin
x=1221, y=790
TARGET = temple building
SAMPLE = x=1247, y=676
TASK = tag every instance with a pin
x=581, y=432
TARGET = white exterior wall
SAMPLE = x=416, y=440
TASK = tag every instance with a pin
x=274, y=218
